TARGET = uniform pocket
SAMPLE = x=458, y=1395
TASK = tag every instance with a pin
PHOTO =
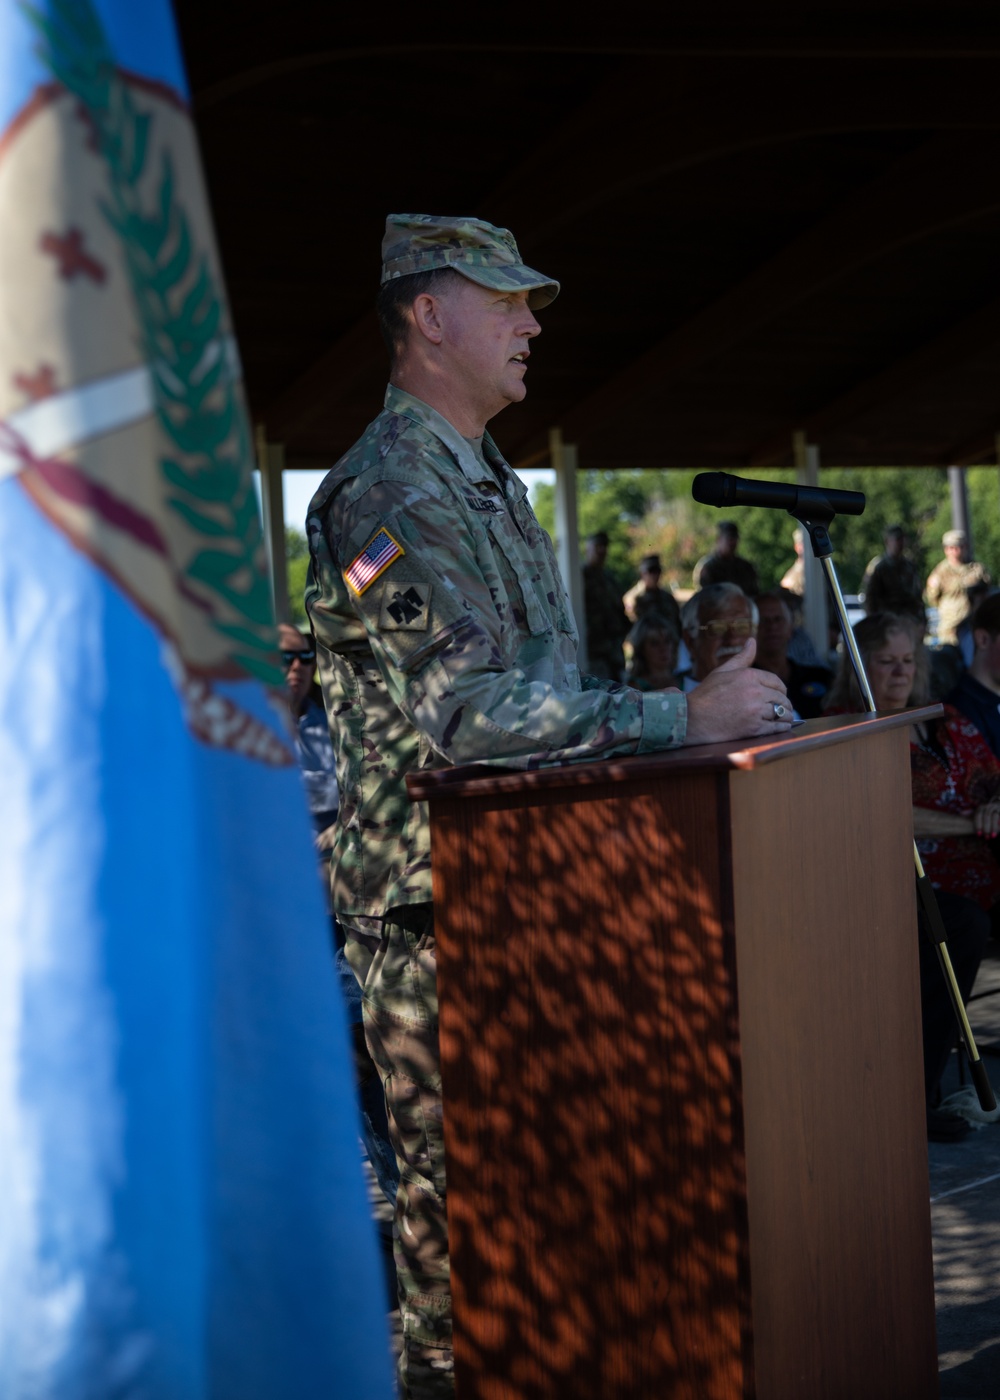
x=523, y=575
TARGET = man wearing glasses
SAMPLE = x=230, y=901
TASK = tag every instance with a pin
x=717, y=622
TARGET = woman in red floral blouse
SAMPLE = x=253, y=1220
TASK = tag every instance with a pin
x=956, y=818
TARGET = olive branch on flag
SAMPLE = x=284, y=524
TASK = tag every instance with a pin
x=180, y=314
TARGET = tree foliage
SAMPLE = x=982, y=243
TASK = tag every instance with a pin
x=297, y=561
x=647, y=512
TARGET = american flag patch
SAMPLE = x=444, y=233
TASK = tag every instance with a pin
x=374, y=559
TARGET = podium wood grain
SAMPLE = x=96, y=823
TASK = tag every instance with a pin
x=681, y=1060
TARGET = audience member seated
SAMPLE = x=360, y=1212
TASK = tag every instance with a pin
x=717, y=622
x=977, y=694
x=648, y=596
x=946, y=670
x=978, y=593
x=807, y=686
x=725, y=564
x=312, y=733
x=956, y=814
x=653, y=644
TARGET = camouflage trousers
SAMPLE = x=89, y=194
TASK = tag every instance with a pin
x=393, y=959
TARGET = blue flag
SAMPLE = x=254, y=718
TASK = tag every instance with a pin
x=182, y=1210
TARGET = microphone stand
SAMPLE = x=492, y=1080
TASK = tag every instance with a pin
x=819, y=517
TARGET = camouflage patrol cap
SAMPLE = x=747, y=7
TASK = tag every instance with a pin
x=478, y=250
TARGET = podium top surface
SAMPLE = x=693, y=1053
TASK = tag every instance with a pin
x=481, y=780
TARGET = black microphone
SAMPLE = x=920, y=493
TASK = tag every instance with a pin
x=721, y=489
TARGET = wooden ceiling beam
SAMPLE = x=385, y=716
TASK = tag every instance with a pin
x=884, y=215
x=944, y=352
x=354, y=358
x=978, y=449
x=631, y=132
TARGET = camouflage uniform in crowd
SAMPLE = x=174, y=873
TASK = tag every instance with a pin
x=607, y=623
x=640, y=600
x=454, y=644
x=947, y=590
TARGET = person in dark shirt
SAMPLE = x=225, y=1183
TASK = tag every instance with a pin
x=977, y=694
x=807, y=686
x=725, y=564
x=892, y=581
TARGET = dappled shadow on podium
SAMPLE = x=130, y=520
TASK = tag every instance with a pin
x=597, y=1199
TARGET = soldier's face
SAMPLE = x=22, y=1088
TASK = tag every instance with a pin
x=486, y=337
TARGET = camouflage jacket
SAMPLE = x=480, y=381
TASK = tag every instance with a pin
x=444, y=635
x=946, y=591
x=607, y=623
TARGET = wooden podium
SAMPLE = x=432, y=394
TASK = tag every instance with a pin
x=680, y=1037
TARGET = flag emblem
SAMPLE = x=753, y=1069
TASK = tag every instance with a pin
x=116, y=348
x=380, y=551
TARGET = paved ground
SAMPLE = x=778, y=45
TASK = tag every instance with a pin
x=965, y=1219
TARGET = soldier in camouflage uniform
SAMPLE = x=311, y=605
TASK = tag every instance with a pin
x=949, y=582
x=891, y=582
x=648, y=596
x=444, y=635
x=607, y=622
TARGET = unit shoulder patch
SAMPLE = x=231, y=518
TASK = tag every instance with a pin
x=405, y=606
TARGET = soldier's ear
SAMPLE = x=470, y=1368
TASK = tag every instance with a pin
x=426, y=315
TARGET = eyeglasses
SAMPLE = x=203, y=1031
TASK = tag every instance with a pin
x=307, y=654
x=722, y=627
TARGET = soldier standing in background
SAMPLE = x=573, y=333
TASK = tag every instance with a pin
x=648, y=596
x=444, y=635
x=891, y=582
x=794, y=578
x=607, y=623
x=948, y=585
x=725, y=564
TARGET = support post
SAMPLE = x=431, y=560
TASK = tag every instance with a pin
x=960, y=505
x=564, y=461
x=816, y=623
x=271, y=462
